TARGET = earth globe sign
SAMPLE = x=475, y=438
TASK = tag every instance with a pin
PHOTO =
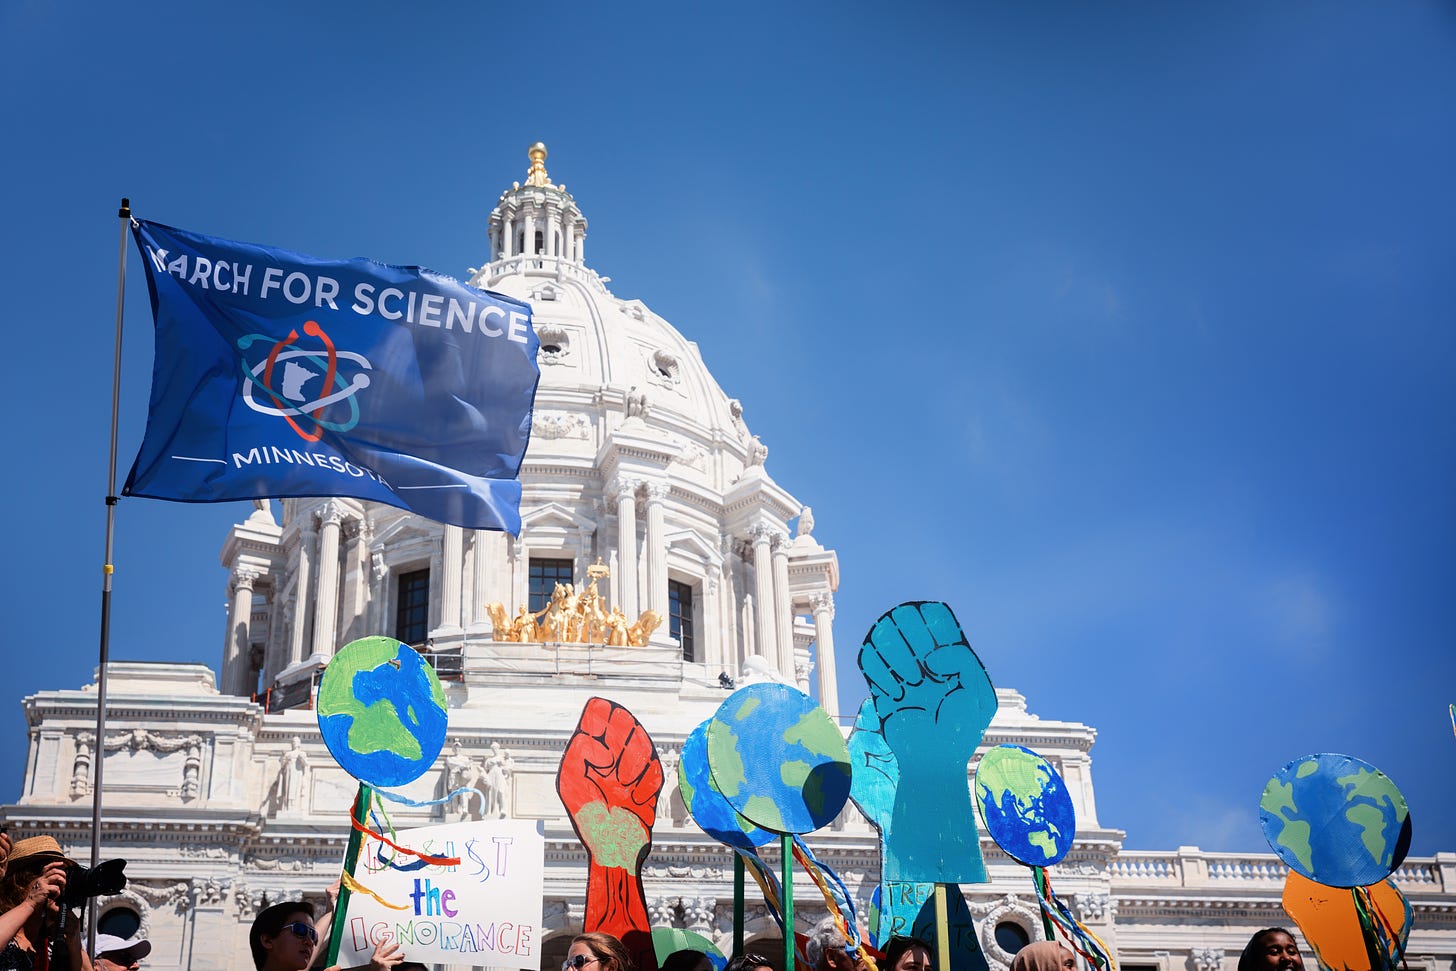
x=706, y=804
x=778, y=758
x=667, y=941
x=1025, y=805
x=381, y=711
x=1334, y=819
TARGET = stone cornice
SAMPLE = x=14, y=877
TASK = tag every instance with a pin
x=266, y=550
x=202, y=715
x=1038, y=737
x=555, y=469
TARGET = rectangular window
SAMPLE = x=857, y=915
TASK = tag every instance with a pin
x=412, y=612
x=545, y=575
x=680, y=617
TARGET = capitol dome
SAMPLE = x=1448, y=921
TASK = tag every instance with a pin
x=643, y=493
x=600, y=349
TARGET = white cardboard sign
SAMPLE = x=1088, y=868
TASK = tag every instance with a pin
x=484, y=911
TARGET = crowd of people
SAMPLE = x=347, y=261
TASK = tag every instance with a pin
x=288, y=936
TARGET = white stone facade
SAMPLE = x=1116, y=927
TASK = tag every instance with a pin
x=223, y=804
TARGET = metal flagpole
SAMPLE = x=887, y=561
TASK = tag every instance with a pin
x=124, y=214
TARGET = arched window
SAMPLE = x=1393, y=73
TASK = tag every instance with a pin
x=1011, y=936
x=120, y=922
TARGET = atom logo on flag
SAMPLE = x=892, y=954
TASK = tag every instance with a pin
x=293, y=368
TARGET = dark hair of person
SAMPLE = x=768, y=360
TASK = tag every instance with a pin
x=1249, y=959
x=270, y=923
x=607, y=950
x=896, y=947
x=684, y=960
x=749, y=961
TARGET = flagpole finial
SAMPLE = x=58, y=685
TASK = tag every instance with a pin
x=537, y=176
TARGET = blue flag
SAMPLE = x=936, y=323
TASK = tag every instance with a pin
x=279, y=374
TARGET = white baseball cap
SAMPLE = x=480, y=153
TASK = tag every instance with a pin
x=120, y=951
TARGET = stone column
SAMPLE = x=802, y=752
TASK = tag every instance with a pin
x=355, y=584
x=520, y=583
x=823, y=606
x=326, y=602
x=452, y=558
x=766, y=640
x=378, y=574
x=748, y=619
x=710, y=651
x=625, y=596
x=437, y=572
x=783, y=606
x=301, y=591
x=240, y=633
x=510, y=240
x=656, y=551
x=482, y=572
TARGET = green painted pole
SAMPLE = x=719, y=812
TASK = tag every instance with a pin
x=351, y=861
x=1039, y=877
x=786, y=847
x=737, y=904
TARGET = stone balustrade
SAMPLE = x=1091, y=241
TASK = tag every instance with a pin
x=1192, y=867
x=537, y=262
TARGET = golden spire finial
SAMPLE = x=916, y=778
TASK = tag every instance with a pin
x=536, y=175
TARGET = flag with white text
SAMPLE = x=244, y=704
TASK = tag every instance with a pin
x=279, y=374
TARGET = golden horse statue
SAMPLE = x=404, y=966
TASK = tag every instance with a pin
x=574, y=618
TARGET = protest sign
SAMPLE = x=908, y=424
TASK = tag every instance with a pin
x=484, y=911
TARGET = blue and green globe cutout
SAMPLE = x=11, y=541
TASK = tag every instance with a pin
x=382, y=712
x=779, y=759
x=1025, y=805
x=706, y=804
x=1336, y=820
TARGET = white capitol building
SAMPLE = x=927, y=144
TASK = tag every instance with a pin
x=638, y=463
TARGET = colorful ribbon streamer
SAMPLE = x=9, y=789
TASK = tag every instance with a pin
x=425, y=803
x=836, y=897
x=768, y=885
x=375, y=810
x=356, y=887
x=424, y=858
x=1081, y=940
x=1382, y=939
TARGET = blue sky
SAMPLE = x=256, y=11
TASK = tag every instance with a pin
x=1126, y=329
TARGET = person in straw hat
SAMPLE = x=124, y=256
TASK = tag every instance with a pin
x=30, y=894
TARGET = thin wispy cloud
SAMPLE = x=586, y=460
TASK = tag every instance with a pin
x=1299, y=612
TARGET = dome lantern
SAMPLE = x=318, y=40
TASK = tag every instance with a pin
x=538, y=221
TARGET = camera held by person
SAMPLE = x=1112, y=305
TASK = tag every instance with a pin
x=39, y=887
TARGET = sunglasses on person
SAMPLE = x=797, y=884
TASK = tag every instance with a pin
x=303, y=930
x=577, y=963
